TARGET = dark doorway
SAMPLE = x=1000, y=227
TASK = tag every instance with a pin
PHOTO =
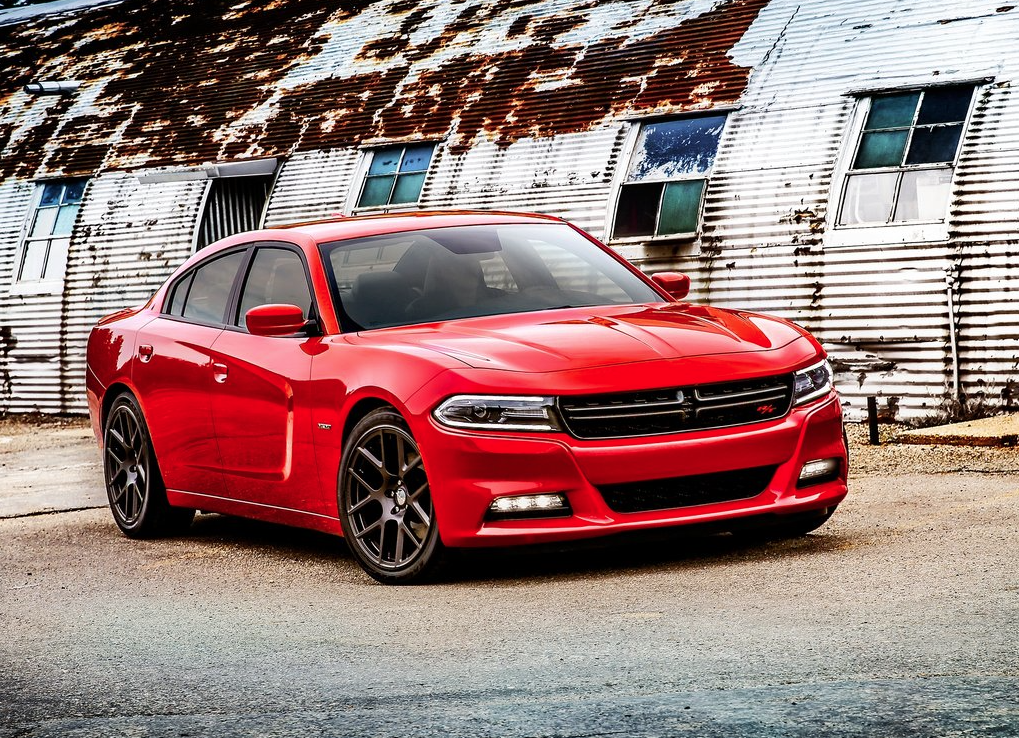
x=234, y=205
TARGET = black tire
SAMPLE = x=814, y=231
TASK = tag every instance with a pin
x=385, y=503
x=134, y=485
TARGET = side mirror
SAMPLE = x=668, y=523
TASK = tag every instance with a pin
x=676, y=284
x=275, y=320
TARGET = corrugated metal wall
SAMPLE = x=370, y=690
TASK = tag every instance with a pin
x=882, y=308
x=29, y=326
x=128, y=239
x=311, y=186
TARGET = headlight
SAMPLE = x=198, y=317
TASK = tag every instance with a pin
x=813, y=382
x=498, y=413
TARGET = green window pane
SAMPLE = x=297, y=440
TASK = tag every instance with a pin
x=65, y=219
x=45, y=218
x=945, y=105
x=868, y=198
x=681, y=204
x=408, y=188
x=892, y=111
x=934, y=145
x=637, y=210
x=376, y=191
x=386, y=161
x=880, y=149
x=416, y=158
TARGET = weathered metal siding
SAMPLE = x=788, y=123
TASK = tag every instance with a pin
x=311, y=186
x=532, y=102
x=569, y=176
x=882, y=309
x=128, y=239
x=28, y=339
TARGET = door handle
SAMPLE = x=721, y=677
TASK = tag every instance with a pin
x=219, y=371
x=145, y=353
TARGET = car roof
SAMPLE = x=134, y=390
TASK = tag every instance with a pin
x=341, y=228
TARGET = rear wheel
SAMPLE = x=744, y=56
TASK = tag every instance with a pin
x=134, y=485
x=385, y=502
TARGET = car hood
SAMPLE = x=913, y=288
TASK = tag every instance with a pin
x=576, y=338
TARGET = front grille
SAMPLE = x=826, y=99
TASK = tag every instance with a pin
x=698, y=489
x=677, y=409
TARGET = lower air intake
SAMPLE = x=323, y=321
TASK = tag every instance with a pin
x=698, y=489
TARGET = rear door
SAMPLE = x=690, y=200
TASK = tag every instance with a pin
x=173, y=374
x=261, y=401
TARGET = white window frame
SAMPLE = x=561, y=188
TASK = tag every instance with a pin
x=51, y=286
x=364, y=161
x=619, y=180
x=912, y=231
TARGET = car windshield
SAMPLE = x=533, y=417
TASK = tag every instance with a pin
x=470, y=271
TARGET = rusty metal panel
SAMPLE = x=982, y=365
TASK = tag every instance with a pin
x=29, y=325
x=129, y=237
x=311, y=186
x=569, y=176
x=168, y=82
x=883, y=310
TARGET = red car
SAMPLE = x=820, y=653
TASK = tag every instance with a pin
x=419, y=382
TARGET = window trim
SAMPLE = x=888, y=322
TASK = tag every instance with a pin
x=910, y=231
x=635, y=126
x=41, y=286
x=234, y=303
x=245, y=248
x=364, y=160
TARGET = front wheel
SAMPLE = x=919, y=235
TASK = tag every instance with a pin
x=385, y=503
x=134, y=485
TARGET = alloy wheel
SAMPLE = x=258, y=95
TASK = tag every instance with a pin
x=127, y=465
x=386, y=498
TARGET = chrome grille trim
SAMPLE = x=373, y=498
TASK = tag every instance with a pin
x=654, y=412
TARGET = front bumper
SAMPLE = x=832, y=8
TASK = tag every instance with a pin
x=468, y=470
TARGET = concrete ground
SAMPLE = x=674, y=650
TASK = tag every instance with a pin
x=898, y=618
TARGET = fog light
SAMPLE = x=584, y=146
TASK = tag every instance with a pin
x=818, y=471
x=529, y=506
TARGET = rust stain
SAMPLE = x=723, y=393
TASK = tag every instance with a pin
x=172, y=81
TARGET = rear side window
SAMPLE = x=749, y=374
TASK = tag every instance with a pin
x=276, y=277
x=175, y=303
x=207, y=299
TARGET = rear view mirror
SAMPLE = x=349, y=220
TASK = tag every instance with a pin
x=676, y=284
x=275, y=320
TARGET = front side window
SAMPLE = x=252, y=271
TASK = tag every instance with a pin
x=43, y=256
x=904, y=160
x=668, y=174
x=395, y=175
x=276, y=277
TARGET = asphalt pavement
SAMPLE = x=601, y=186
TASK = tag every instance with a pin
x=898, y=618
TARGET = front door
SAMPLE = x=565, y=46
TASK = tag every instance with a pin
x=260, y=400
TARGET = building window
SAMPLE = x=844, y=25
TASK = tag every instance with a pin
x=43, y=255
x=904, y=161
x=668, y=173
x=395, y=175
